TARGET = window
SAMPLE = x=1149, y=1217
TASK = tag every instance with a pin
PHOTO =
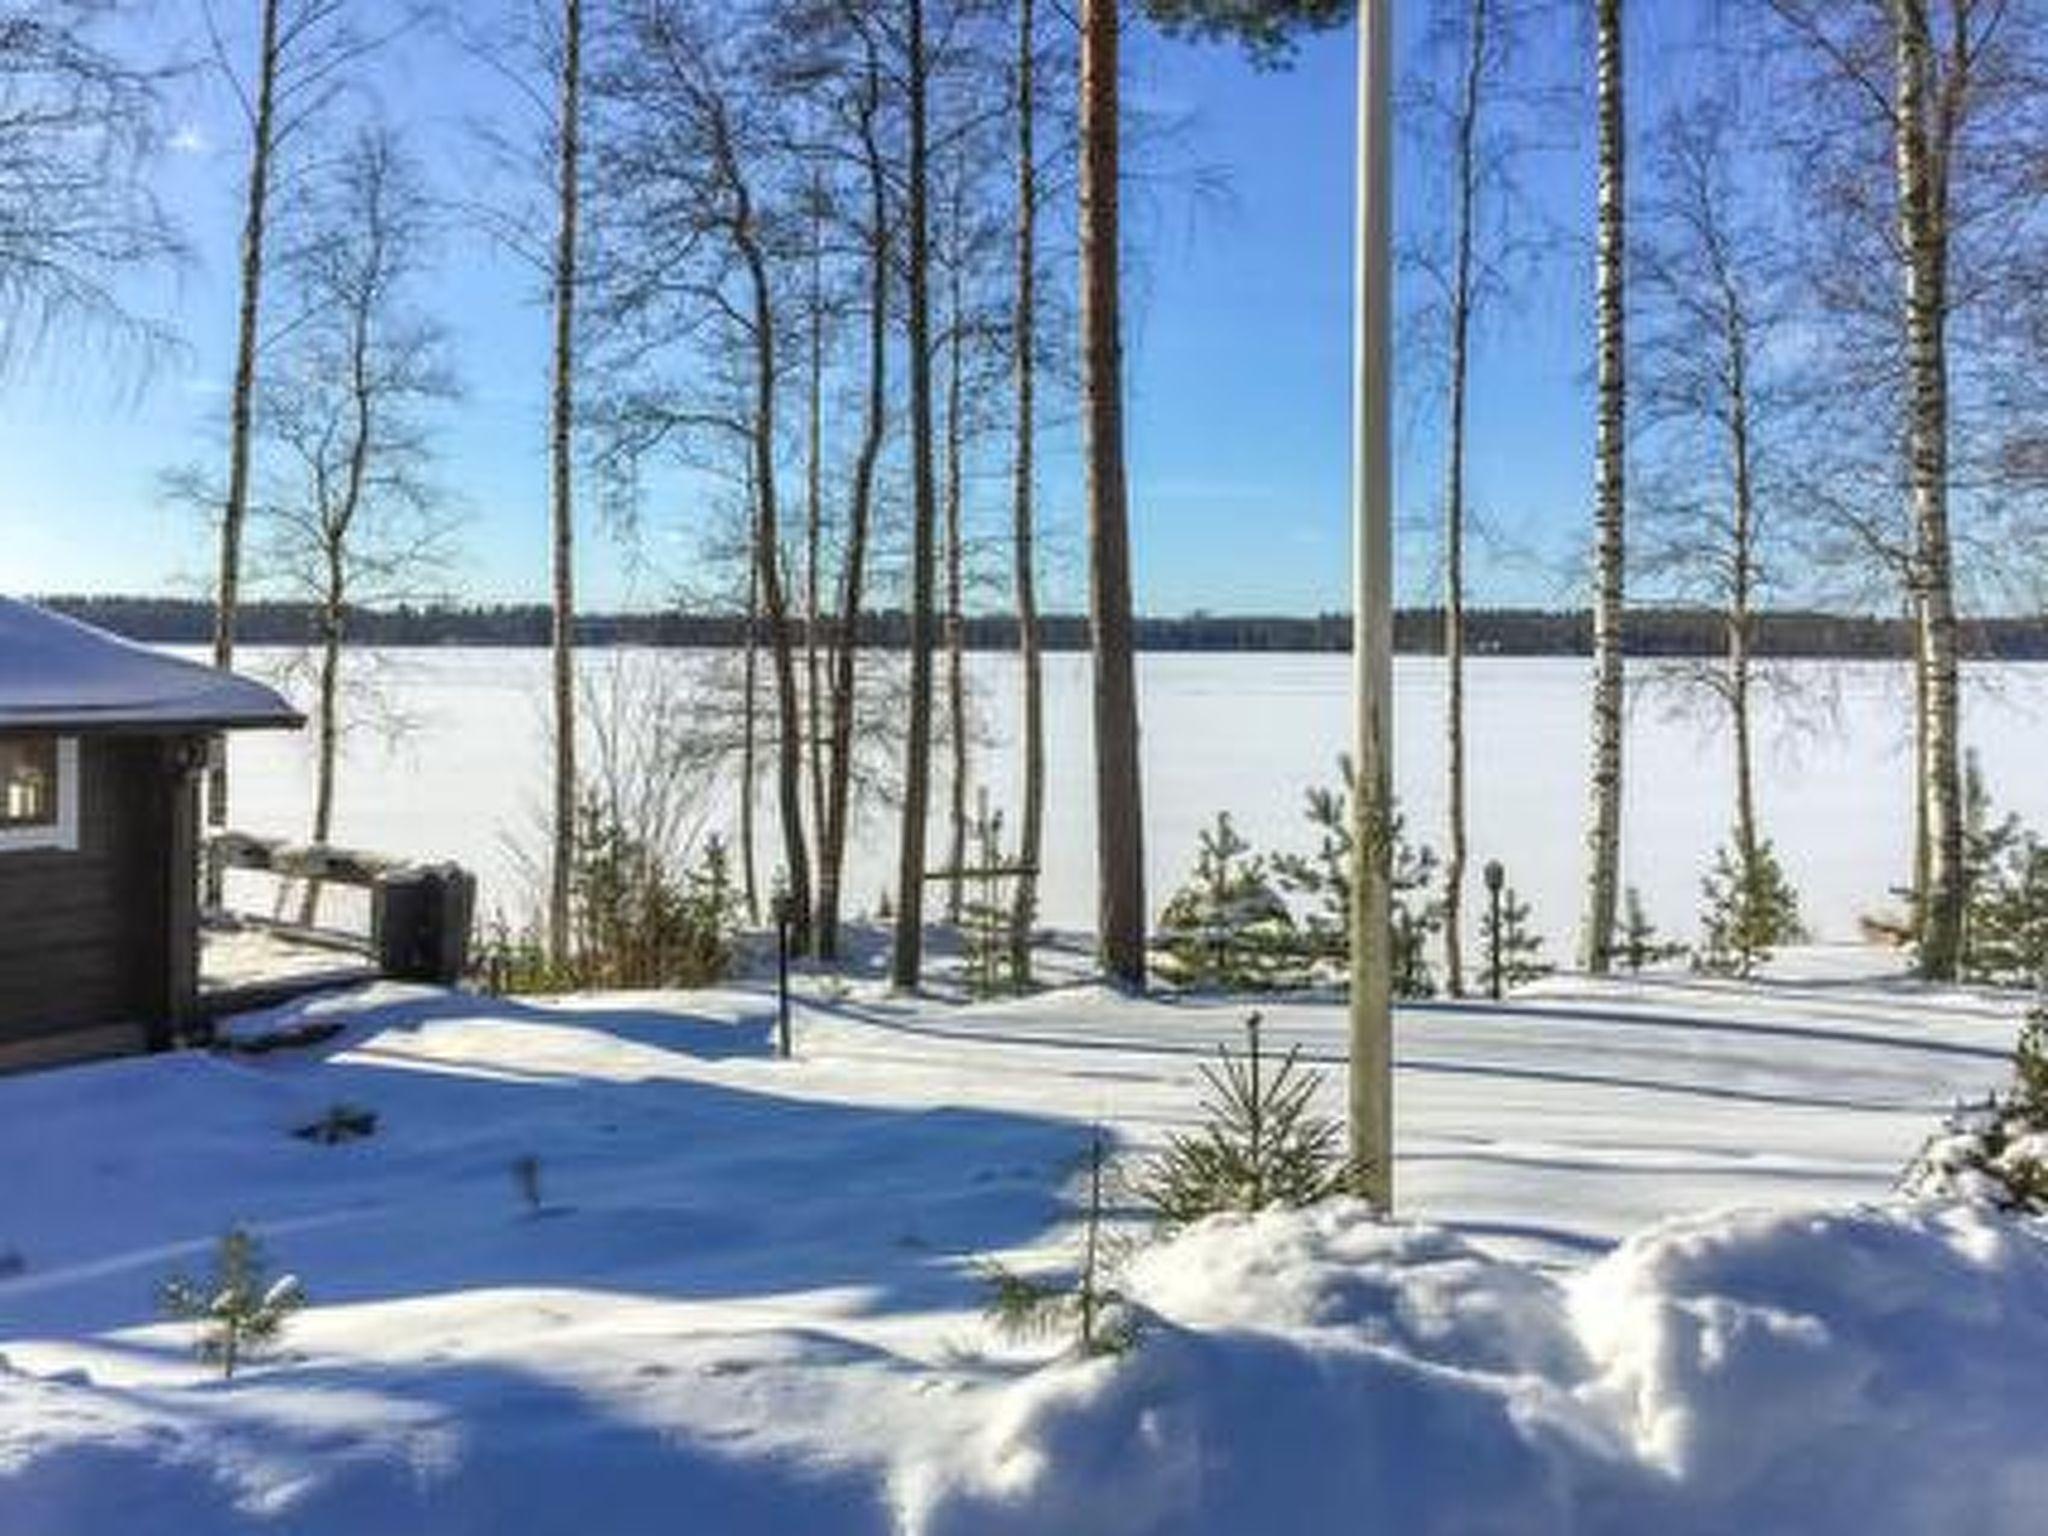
x=38, y=792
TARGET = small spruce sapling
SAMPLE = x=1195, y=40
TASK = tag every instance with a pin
x=1995, y=1150
x=1751, y=910
x=1641, y=944
x=2007, y=936
x=1022, y=1306
x=1322, y=879
x=1260, y=1143
x=240, y=1310
x=2005, y=873
x=1227, y=927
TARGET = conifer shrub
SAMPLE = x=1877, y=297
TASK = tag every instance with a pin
x=1995, y=1151
x=1227, y=927
x=240, y=1310
x=1088, y=1304
x=640, y=919
x=1642, y=944
x=1749, y=911
x=2005, y=907
x=1260, y=1143
x=1321, y=882
x=2006, y=937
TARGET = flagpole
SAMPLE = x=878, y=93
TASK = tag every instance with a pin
x=1371, y=1088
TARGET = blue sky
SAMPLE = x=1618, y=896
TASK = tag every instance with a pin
x=1238, y=358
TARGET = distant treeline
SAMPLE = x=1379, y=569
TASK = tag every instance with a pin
x=1417, y=631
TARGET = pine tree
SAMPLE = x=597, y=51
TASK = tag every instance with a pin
x=1512, y=953
x=1640, y=944
x=1026, y=1307
x=240, y=1309
x=2005, y=875
x=1995, y=1150
x=1751, y=910
x=1260, y=1144
x=1227, y=927
x=1323, y=880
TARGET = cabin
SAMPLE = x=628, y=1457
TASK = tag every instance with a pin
x=103, y=744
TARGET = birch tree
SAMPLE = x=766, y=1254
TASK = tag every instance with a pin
x=699, y=195
x=1920, y=135
x=350, y=513
x=81, y=128
x=1024, y=516
x=562, y=275
x=859, y=106
x=907, y=955
x=304, y=52
x=1461, y=259
x=1603, y=839
x=1715, y=391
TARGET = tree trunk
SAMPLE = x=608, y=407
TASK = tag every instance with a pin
x=337, y=526
x=1603, y=843
x=1923, y=242
x=1024, y=914
x=1119, y=803
x=907, y=963
x=327, y=724
x=750, y=665
x=234, y=512
x=1742, y=583
x=562, y=855
x=814, y=527
x=839, y=799
x=1922, y=859
x=789, y=756
x=956, y=617
x=1454, y=501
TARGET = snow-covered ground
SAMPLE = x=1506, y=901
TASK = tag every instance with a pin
x=1248, y=734
x=749, y=1300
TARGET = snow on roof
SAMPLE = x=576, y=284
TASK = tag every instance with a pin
x=56, y=673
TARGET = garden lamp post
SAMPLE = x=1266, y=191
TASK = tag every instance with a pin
x=1496, y=882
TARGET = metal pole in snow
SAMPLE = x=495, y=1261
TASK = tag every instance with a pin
x=1496, y=880
x=1371, y=1086
x=782, y=920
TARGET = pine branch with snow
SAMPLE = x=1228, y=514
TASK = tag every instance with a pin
x=1995, y=1151
x=241, y=1311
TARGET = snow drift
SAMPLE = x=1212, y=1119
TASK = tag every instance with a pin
x=1870, y=1369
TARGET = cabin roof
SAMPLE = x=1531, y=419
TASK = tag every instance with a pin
x=59, y=674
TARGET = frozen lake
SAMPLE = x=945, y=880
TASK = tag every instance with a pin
x=1248, y=734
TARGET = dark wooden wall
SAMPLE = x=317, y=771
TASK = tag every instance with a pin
x=94, y=939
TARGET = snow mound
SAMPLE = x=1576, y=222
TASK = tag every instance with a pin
x=534, y=1031
x=1870, y=1369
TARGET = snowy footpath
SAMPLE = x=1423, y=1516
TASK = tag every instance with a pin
x=608, y=1266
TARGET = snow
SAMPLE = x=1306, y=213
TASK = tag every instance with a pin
x=1863, y=1369
x=1655, y=1279
x=56, y=673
